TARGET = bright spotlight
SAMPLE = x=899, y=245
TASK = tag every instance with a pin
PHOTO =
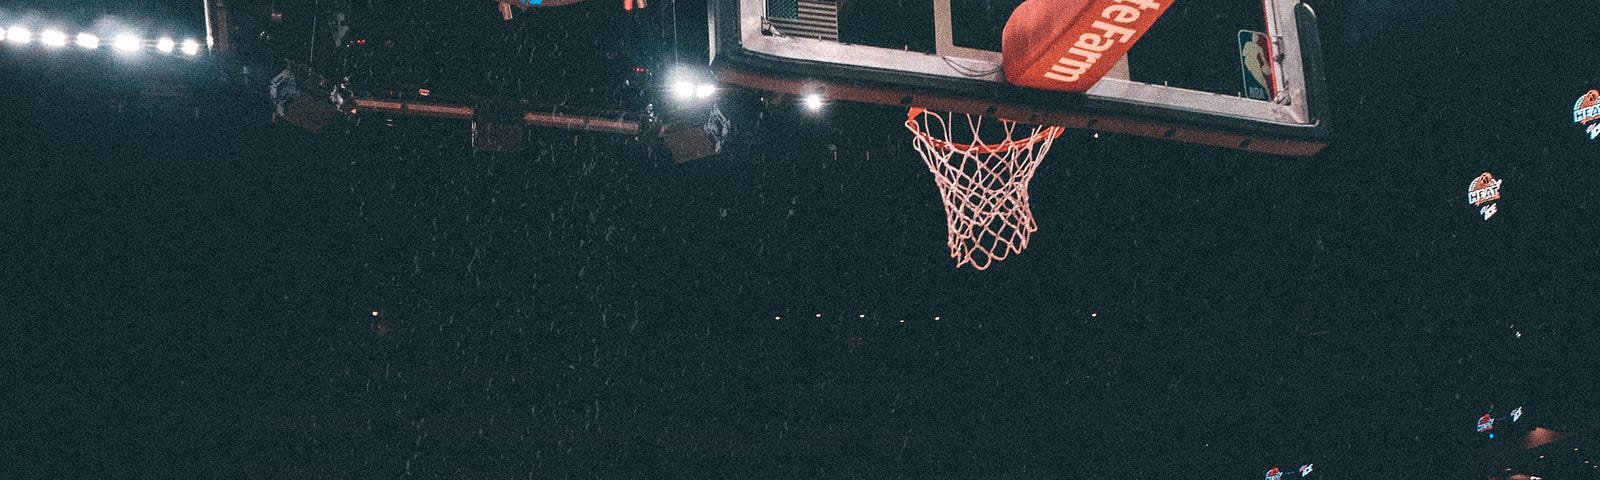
x=705, y=90
x=19, y=35
x=683, y=89
x=53, y=38
x=165, y=45
x=191, y=47
x=814, y=102
x=88, y=40
x=126, y=43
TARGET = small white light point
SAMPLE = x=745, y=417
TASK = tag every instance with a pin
x=819, y=315
x=814, y=102
x=126, y=43
x=936, y=318
x=705, y=90
x=88, y=40
x=374, y=313
x=191, y=47
x=861, y=316
x=53, y=38
x=165, y=45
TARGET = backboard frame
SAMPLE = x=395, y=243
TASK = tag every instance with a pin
x=1295, y=123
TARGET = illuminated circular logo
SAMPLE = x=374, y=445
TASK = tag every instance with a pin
x=1483, y=192
x=1586, y=111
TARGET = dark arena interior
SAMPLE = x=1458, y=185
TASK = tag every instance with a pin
x=349, y=239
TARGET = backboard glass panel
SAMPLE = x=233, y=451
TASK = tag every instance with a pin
x=1181, y=81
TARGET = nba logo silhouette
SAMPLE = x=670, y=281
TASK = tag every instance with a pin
x=1255, y=60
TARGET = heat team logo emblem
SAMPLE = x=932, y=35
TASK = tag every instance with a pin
x=1485, y=423
x=1274, y=474
x=1484, y=190
x=1587, y=113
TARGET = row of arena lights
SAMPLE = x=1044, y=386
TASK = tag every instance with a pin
x=686, y=90
x=126, y=43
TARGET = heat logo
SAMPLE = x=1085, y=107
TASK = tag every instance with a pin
x=1274, y=474
x=1485, y=423
x=1484, y=189
x=1587, y=111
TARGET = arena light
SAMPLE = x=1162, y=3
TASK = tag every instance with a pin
x=19, y=35
x=88, y=40
x=53, y=38
x=814, y=102
x=683, y=89
x=191, y=47
x=704, y=90
x=165, y=45
x=126, y=43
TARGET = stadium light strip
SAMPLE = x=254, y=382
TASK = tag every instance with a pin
x=126, y=43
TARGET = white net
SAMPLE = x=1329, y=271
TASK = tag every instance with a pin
x=984, y=185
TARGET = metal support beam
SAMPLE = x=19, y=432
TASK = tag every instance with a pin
x=216, y=25
x=538, y=119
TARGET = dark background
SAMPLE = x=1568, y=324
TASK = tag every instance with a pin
x=190, y=295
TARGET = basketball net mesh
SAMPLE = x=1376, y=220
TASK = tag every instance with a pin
x=985, y=186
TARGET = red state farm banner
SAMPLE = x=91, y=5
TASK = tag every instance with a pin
x=1068, y=45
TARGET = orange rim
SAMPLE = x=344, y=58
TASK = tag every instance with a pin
x=1048, y=133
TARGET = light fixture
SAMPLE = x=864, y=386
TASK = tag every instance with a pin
x=19, y=35
x=53, y=38
x=683, y=89
x=191, y=47
x=165, y=45
x=88, y=40
x=705, y=90
x=126, y=43
x=814, y=102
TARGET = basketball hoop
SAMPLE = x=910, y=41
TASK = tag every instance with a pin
x=984, y=185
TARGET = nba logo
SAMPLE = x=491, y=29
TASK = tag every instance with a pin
x=1255, y=60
